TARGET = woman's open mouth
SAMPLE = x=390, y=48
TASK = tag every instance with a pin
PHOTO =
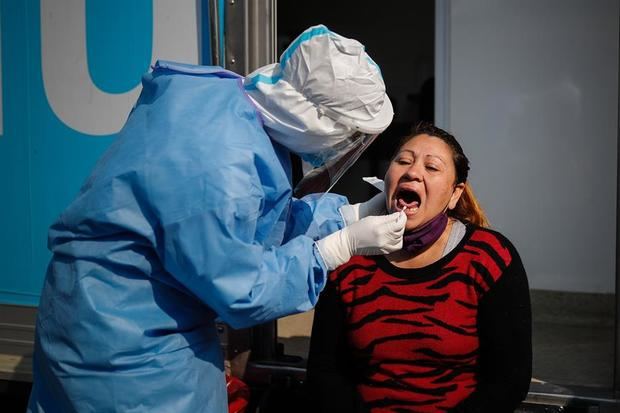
x=408, y=200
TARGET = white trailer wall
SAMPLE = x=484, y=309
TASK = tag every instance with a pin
x=531, y=89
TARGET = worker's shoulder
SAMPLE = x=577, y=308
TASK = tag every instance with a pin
x=169, y=67
x=200, y=87
x=203, y=108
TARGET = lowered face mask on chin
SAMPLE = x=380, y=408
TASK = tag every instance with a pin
x=422, y=237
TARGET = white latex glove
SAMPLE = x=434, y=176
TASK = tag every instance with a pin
x=355, y=212
x=373, y=235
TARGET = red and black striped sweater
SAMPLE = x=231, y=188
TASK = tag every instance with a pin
x=453, y=336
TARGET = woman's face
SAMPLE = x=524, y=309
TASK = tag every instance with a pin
x=421, y=180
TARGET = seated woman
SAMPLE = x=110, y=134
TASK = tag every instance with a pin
x=443, y=325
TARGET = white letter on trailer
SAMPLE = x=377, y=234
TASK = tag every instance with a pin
x=70, y=91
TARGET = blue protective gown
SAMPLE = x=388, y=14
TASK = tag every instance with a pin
x=187, y=217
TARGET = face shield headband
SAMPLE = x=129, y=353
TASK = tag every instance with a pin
x=324, y=169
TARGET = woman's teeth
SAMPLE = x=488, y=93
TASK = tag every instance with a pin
x=410, y=209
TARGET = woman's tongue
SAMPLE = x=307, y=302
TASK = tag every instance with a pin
x=411, y=206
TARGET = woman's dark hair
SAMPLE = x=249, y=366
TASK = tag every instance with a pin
x=467, y=209
x=461, y=163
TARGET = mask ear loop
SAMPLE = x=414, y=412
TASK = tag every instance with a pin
x=445, y=211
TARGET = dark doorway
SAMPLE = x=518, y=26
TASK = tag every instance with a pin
x=400, y=38
x=402, y=42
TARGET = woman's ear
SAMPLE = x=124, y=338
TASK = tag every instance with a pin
x=456, y=195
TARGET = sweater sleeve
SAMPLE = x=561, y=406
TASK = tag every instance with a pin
x=330, y=373
x=504, y=325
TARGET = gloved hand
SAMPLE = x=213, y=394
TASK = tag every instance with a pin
x=355, y=212
x=373, y=235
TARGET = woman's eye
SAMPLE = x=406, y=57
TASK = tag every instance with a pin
x=432, y=168
x=403, y=161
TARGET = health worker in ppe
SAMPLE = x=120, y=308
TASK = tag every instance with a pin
x=190, y=216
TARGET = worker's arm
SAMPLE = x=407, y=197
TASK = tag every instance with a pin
x=208, y=242
x=315, y=216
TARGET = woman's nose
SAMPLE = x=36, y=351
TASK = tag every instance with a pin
x=414, y=172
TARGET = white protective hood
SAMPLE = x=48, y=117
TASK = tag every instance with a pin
x=324, y=89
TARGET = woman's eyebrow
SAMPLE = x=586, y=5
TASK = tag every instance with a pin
x=436, y=157
x=426, y=156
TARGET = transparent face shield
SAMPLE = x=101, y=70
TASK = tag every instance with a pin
x=323, y=170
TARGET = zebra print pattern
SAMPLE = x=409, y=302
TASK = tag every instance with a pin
x=414, y=332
